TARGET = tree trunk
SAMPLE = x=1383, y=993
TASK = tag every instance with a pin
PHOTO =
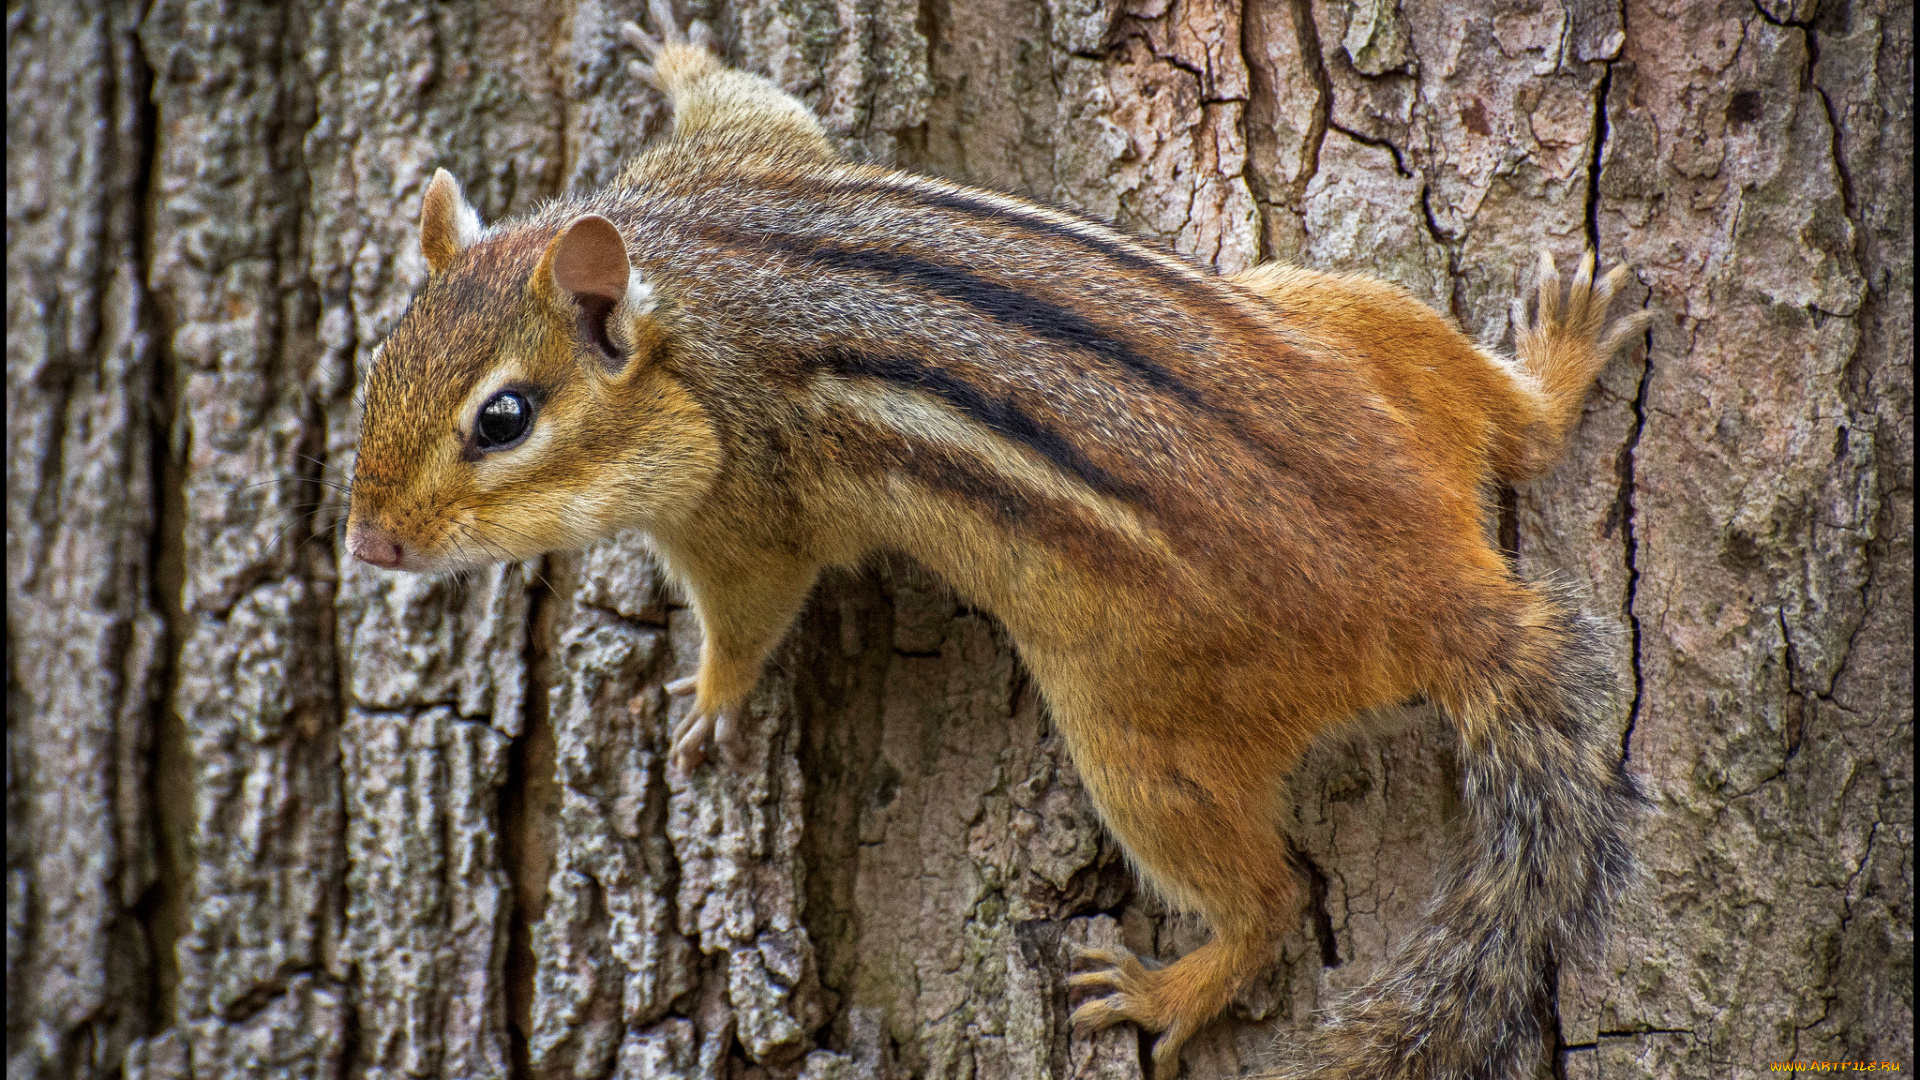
x=275, y=814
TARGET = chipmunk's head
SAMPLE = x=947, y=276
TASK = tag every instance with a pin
x=524, y=403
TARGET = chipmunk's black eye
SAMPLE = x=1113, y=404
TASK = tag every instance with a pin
x=504, y=420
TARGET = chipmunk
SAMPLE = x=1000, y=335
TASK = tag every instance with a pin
x=1220, y=515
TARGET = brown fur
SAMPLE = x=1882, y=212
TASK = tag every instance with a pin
x=1219, y=516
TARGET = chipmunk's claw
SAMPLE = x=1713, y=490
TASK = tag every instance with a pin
x=690, y=735
x=1133, y=993
x=648, y=45
x=690, y=741
x=697, y=35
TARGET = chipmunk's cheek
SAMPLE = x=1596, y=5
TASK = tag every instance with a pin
x=590, y=510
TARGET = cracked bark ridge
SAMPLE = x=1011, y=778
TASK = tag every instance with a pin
x=256, y=680
x=85, y=636
x=1158, y=104
x=426, y=895
x=275, y=815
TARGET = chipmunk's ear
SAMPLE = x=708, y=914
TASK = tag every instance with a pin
x=448, y=224
x=585, y=270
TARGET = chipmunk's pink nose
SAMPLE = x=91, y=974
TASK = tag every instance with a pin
x=372, y=545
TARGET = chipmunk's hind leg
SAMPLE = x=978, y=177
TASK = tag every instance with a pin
x=709, y=98
x=1211, y=845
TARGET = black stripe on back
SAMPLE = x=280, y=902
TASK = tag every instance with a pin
x=1193, y=285
x=1002, y=303
x=1107, y=248
x=1002, y=416
x=1031, y=516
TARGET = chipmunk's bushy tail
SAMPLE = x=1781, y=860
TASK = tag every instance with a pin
x=1548, y=809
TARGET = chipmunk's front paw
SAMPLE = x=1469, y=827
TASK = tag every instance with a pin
x=691, y=733
x=671, y=54
x=1133, y=993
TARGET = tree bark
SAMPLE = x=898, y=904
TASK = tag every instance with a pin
x=275, y=814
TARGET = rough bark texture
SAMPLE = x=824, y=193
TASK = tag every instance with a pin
x=272, y=814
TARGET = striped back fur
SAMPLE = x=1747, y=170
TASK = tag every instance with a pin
x=818, y=310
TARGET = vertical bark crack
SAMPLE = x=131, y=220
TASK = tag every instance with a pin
x=1626, y=503
x=1307, y=40
x=162, y=909
x=1796, y=718
x=46, y=498
x=1856, y=384
x=1601, y=131
x=1318, y=894
x=525, y=844
x=1258, y=118
x=1627, y=465
x=1556, y=1028
x=1249, y=172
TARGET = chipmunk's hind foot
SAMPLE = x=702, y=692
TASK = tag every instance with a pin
x=1561, y=348
x=1174, y=1000
x=1575, y=318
